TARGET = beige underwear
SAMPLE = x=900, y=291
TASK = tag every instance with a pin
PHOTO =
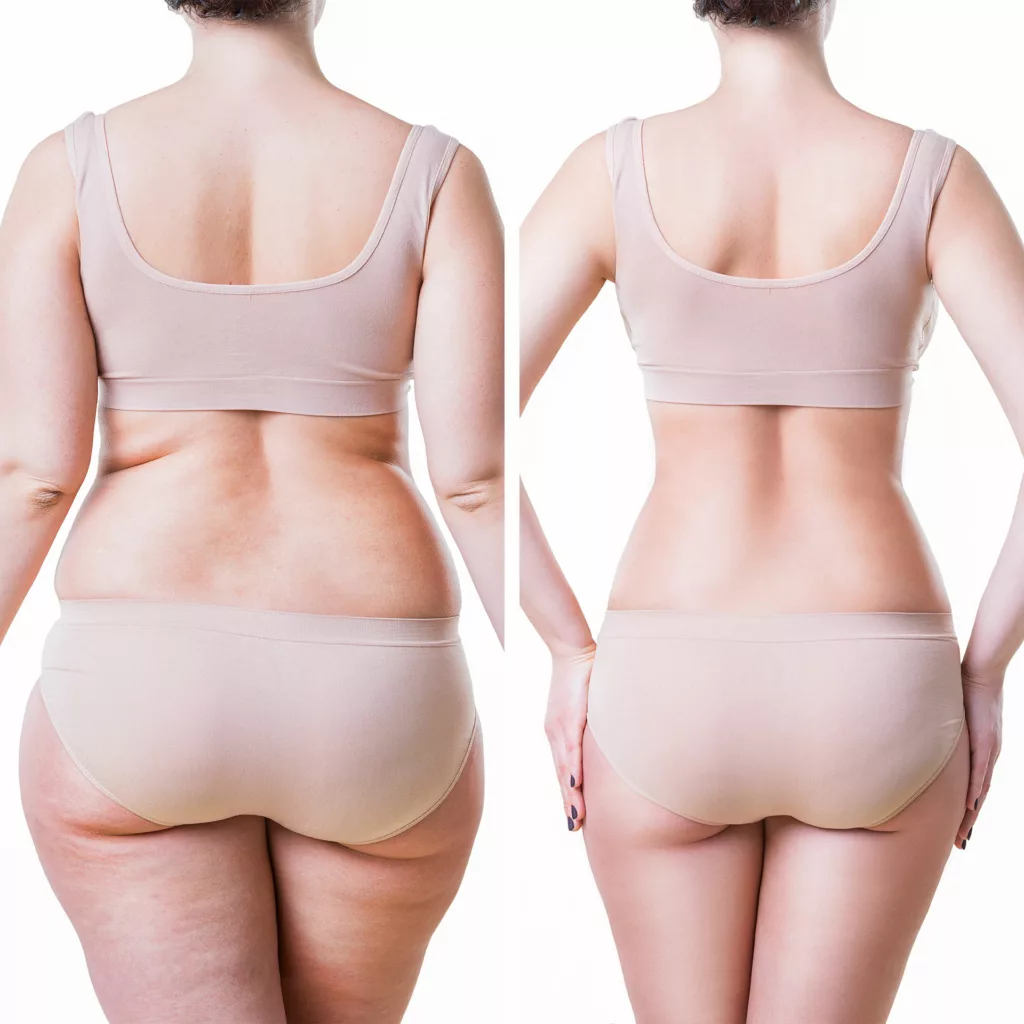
x=838, y=720
x=340, y=728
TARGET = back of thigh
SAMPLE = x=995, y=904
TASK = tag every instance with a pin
x=681, y=898
x=355, y=922
x=177, y=924
x=840, y=910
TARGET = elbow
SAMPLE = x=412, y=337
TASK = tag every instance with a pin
x=475, y=496
x=40, y=495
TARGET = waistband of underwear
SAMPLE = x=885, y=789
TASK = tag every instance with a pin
x=267, y=624
x=796, y=627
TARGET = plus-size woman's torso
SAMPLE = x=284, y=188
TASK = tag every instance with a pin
x=230, y=505
x=779, y=505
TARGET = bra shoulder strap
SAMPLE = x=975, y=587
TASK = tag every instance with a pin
x=93, y=185
x=927, y=176
x=428, y=157
x=80, y=140
x=622, y=143
x=624, y=158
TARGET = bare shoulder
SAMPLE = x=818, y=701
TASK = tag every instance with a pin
x=464, y=218
x=971, y=227
x=587, y=166
x=581, y=183
x=44, y=194
x=967, y=203
x=466, y=179
x=966, y=182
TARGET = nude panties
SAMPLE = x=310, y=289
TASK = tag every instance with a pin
x=838, y=720
x=340, y=728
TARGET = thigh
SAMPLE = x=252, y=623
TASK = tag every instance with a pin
x=177, y=924
x=840, y=910
x=355, y=921
x=681, y=898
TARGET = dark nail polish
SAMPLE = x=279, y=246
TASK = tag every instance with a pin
x=576, y=814
x=970, y=832
x=963, y=845
x=572, y=781
x=571, y=826
x=976, y=802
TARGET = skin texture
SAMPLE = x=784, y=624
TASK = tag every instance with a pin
x=241, y=920
x=788, y=179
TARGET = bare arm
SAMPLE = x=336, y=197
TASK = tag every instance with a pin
x=47, y=370
x=567, y=252
x=977, y=263
x=459, y=372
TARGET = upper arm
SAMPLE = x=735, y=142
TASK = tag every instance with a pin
x=458, y=360
x=977, y=264
x=567, y=252
x=47, y=352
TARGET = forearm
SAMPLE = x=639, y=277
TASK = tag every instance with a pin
x=476, y=520
x=31, y=513
x=545, y=594
x=999, y=626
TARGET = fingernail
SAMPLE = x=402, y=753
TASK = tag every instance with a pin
x=576, y=814
x=572, y=781
x=963, y=845
x=571, y=826
x=970, y=832
x=976, y=802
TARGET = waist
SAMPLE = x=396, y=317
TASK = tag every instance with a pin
x=738, y=547
x=358, y=541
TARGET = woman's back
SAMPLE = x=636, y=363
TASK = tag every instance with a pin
x=285, y=182
x=778, y=408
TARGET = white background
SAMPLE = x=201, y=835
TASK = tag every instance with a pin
x=587, y=458
x=57, y=59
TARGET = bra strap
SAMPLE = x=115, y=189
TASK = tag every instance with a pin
x=624, y=158
x=931, y=166
x=80, y=141
x=428, y=163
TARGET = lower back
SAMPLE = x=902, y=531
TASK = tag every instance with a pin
x=297, y=513
x=768, y=509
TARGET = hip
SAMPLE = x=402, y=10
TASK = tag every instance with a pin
x=836, y=719
x=343, y=728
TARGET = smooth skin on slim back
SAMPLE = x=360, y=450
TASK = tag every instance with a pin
x=769, y=510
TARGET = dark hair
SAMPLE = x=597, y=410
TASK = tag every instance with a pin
x=239, y=10
x=762, y=13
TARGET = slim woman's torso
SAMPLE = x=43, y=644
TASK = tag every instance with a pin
x=775, y=508
x=276, y=510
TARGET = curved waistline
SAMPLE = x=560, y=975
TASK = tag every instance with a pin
x=267, y=624
x=776, y=627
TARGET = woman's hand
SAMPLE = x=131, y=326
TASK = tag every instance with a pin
x=564, y=724
x=983, y=704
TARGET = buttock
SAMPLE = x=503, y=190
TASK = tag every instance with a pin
x=341, y=728
x=838, y=720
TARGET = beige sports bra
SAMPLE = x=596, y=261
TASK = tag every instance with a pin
x=846, y=337
x=339, y=345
